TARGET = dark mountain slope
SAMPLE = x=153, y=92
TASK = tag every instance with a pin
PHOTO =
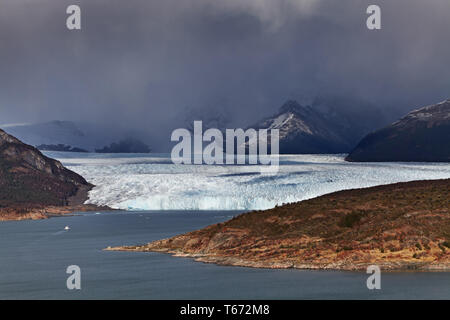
x=304, y=130
x=29, y=179
x=422, y=135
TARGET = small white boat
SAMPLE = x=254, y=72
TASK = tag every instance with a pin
x=66, y=228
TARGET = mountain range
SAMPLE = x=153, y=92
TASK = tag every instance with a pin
x=325, y=126
x=72, y=136
x=317, y=129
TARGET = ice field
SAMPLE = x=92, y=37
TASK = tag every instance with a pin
x=153, y=182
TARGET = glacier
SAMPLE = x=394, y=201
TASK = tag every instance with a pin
x=153, y=182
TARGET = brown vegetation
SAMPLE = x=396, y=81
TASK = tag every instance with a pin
x=398, y=226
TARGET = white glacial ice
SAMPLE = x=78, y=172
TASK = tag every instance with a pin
x=134, y=182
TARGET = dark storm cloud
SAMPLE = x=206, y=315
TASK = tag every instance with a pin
x=143, y=62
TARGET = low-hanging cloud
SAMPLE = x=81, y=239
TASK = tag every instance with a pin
x=142, y=63
x=272, y=13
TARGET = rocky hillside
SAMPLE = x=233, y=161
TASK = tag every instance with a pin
x=317, y=129
x=422, y=135
x=398, y=226
x=28, y=179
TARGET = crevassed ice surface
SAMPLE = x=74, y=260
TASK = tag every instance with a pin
x=136, y=182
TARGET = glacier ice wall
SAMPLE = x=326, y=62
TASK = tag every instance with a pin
x=135, y=182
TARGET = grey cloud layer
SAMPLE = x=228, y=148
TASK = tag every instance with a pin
x=143, y=62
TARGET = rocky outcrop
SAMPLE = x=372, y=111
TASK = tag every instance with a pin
x=398, y=226
x=422, y=135
x=29, y=179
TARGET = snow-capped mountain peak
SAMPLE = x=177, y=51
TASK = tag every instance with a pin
x=303, y=130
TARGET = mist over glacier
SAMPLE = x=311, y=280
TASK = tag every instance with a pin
x=136, y=182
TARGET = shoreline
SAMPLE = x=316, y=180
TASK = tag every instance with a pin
x=47, y=212
x=75, y=204
x=401, y=226
x=395, y=266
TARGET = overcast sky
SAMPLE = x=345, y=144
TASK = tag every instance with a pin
x=143, y=62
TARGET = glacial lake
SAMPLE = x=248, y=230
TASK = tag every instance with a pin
x=34, y=256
